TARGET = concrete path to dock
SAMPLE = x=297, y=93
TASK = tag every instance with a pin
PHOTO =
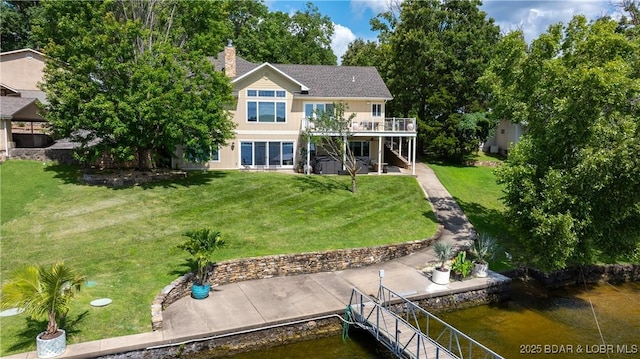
x=261, y=303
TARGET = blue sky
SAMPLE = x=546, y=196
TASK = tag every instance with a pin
x=351, y=17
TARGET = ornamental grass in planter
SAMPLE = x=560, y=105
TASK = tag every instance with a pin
x=444, y=250
x=483, y=250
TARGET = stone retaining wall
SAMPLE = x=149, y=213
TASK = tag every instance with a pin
x=62, y=156
x=610, y=273
x=226, y=345
x=282, y=265
x=491, y=294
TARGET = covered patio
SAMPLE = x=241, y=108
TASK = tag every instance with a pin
x=397, y=134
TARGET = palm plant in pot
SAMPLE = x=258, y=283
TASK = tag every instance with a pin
x=483, y=250
x=201, y=244
x=44, y=292
x=440, y=275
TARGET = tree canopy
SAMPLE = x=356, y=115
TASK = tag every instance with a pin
x=132, y=80
x=572, y=184
x=277, y=37
x=437, y=50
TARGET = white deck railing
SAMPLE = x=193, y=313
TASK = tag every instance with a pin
x=381, y=125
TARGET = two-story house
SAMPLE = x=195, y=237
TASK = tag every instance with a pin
x=276, y=103
x=20, y=73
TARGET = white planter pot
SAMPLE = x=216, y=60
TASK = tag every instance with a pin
x=440, y=277
x=480, y=270
x=50, y=348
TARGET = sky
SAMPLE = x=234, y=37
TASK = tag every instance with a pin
x=351, y=17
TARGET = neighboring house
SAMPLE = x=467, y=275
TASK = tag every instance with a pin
x=20, y=73
x=507, y=134
x=277, y=103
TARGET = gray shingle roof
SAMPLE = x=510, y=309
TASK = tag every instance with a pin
x=9, y=105
x=338, y=82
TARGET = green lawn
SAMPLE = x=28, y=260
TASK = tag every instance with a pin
x=476, y=191
x=124, y=239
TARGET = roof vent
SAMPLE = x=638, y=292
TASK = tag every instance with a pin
x=353, y=79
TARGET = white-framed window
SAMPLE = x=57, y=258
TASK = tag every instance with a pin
x=376, y=110
x=313, y=109
x=359, y=148
x=215, y=156
x=266, y=106
x=266, y=153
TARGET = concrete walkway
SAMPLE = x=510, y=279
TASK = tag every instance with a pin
x=264, y=302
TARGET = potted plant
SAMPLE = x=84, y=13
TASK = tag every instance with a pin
x=202, y=243
x=483, y=250
x=461, y=266
x=44, y=292
x=440, y=275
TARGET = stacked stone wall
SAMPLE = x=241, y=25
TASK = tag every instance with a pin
x=283, y=265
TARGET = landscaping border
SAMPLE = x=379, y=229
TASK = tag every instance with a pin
x=238, y=270
x=591, y=274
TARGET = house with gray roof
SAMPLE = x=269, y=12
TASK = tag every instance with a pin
x=20, y=72
x=277, y=103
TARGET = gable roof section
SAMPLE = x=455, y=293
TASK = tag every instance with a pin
x=10, y=107
x=322, y=81
x=266, y=64
x=339, y=81
x=23, y=50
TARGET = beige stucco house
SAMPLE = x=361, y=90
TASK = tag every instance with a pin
x=277, y=103
x=20, y=73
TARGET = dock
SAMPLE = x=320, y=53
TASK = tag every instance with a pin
x=409, y=331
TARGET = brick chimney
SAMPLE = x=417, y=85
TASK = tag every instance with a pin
x=230, y=60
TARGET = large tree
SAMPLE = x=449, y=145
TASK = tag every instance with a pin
x=277, y=37
x=131, y=79
x=572, y=184
x=16, y=18
x=438, y=51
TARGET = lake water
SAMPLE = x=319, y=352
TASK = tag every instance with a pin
x=596, y=321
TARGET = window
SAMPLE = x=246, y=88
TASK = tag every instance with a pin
x=315, y=109
x=265, y=110
x=215, y=155
x=359, y=148
x=376, y=110
x=273, y=153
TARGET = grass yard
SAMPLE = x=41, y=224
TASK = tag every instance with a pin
x=124, y=239
x=476, y=191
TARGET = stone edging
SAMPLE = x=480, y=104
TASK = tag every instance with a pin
x=592, y=273
x=238, y=270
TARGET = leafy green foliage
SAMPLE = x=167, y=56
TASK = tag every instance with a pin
x=262, y=36
x=43, y=292
x=125, y=81
x=438, y=49
x=572, y=185
x=461, y=265
x=17, y=18
x=201, y=245
x=361, y=53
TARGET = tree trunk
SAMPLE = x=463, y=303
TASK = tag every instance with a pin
x=52, y=326
x=145, y=159
x=353, y=183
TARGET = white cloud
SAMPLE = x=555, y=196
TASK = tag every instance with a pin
x=534, y=17
x=360, y=7
x=342, y=36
